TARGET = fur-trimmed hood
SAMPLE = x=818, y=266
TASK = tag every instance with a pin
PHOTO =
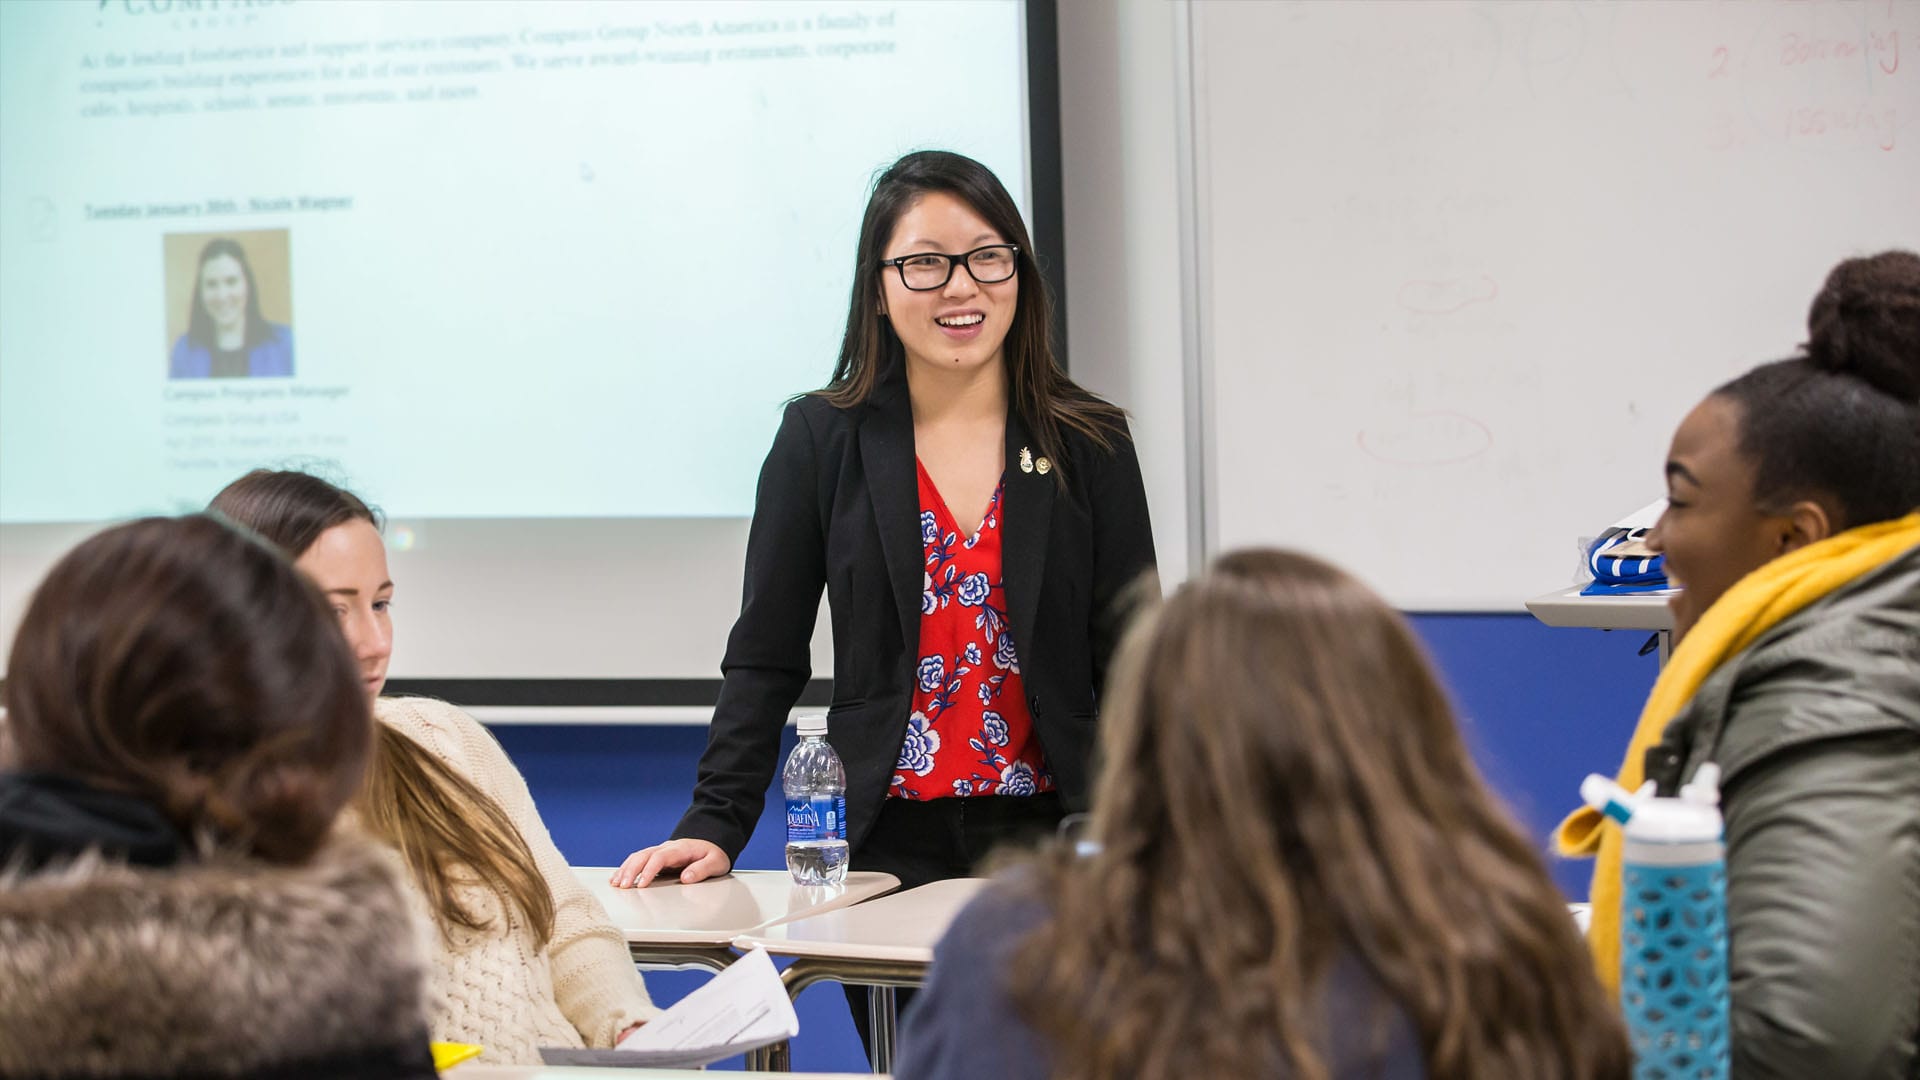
x=222, y=966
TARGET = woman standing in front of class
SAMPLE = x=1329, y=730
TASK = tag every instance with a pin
x=976, y=519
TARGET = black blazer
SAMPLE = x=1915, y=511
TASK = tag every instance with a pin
x=838, y=505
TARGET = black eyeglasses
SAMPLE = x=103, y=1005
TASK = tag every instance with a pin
x=931, y=270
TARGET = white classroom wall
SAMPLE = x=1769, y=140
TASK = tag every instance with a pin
x=1120, y=92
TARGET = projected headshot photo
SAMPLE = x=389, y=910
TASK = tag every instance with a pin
x=229, y=305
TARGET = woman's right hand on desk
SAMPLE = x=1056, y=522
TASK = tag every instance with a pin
x=702, y=859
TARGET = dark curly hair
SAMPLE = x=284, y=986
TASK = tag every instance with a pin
x=1840, y=423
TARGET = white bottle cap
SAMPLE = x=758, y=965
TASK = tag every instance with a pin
x=815, y=724
x=1674, y=821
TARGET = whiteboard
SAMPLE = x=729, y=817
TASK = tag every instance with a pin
x=1464, y=266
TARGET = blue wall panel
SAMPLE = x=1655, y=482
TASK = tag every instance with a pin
x=1541, y=708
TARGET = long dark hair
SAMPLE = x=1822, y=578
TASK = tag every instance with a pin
x=183, y=662
x=1283, y=788
x=199, y=323
x=1840, y=424
x=447, y=829
x=1046, y=399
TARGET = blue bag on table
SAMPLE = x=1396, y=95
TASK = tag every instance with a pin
x=1620, y=561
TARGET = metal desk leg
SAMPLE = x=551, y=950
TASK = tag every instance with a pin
x=878, y=976
x=681, y=957
x=880, y=1023
x=775, y=1058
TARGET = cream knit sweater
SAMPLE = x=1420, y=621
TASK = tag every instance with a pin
x=496, y=988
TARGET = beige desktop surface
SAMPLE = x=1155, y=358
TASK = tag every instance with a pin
x=715, y=911
x=1566, y=607
x=902, y=927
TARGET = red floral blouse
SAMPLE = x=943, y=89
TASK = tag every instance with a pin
x=970, y=732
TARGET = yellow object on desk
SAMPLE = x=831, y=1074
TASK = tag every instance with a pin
x=447, y=1055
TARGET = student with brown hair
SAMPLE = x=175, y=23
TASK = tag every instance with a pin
x=182, y=726
x=1294, y=870
x=528, y=957
x=1791, y=527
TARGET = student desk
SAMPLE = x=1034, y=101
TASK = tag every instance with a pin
x=668, y=924
x=1644, y=611
x=881, y=945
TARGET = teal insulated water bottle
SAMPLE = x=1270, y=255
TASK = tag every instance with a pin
x=1673, y=926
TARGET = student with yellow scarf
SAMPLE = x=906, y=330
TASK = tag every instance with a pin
x=1791, y=527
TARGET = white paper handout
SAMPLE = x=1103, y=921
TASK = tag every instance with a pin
x=742, y=1008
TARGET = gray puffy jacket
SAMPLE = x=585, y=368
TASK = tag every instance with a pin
x=1816, y=728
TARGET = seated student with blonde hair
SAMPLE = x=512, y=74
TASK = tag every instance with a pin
x=528, y=957
x=1294, y=870
x=182, y=726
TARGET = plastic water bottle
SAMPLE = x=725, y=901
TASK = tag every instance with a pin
x=1673, y=927
x=816, y=789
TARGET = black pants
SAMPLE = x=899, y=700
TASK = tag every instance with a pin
x=919, y=842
